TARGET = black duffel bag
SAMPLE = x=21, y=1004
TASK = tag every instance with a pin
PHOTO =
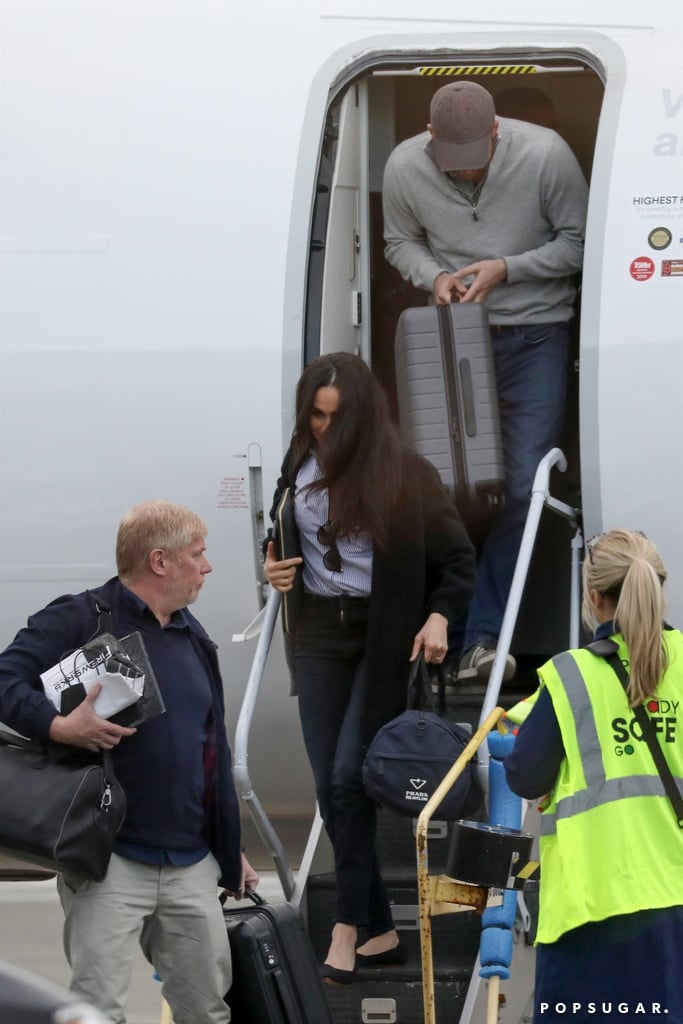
x=410, y=755
x=60, y=807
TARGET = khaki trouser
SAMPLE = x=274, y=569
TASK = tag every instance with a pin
x=175, y=915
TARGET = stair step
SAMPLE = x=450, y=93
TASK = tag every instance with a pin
x=386, y=999
x=453, y=935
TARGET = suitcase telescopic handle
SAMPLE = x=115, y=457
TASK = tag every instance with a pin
x=467, y=389
x=287, y=998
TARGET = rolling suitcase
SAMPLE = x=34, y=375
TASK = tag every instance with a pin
x=275, y=973
x=447, y=401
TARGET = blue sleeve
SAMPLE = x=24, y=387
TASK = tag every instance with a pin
x=50, y=634
x=534, y=764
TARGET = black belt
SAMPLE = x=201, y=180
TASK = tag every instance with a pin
x=502, y=328
x=337, y=601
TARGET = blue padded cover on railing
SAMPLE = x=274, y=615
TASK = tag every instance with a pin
x=495, y=951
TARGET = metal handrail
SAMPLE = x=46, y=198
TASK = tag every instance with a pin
x=540, y=497
x=269, y=836
x=428, y=885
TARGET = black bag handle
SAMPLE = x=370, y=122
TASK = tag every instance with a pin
x=608, y=649
x=13, y=739
x=58, y=753
x=420, y=696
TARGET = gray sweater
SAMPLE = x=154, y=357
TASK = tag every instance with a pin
x=530, y=210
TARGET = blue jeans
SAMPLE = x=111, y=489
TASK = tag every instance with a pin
x=531, y=380
x=330, y=677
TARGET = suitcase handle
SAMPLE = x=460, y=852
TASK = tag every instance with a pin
x=255, y=897
x=250, y=894
x=467, y=388
x=450, y=379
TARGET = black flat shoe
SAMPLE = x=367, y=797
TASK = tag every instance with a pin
x=388, y=956
x=335, y=975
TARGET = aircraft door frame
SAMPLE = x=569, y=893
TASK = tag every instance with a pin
x=343, y=242
x=346, y=282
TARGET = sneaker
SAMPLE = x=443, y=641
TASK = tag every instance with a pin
x=449, y=672
x=476, y=663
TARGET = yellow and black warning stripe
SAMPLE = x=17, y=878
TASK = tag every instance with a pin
x=527, y=877
x=478, y=69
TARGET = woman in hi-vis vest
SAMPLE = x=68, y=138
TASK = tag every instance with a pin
x=610, y=929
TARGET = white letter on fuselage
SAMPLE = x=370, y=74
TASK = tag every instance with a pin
x=671, y=108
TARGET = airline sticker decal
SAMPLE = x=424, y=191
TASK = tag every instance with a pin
x=642, y=268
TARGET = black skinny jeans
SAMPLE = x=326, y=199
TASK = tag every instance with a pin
x=329, y=669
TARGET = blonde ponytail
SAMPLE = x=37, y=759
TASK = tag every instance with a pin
x=626, y=567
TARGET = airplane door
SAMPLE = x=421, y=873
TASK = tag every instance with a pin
x=345, y=312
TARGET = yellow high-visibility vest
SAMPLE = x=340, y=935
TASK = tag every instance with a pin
x=518, y=712
x=610, y=843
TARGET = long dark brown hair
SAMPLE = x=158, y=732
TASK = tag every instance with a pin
x=360, y=456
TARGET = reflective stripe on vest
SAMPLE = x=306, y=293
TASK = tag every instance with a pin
x=599, y=789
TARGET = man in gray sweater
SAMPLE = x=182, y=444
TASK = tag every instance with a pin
x=487, y=209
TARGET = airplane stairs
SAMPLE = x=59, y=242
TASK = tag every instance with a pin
x=384, y=995
x=388, y=994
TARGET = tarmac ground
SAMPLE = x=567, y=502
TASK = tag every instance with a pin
x=31, y=937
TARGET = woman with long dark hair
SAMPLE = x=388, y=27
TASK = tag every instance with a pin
x=386, y=566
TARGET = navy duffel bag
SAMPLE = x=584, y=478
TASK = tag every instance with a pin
x=410, y=755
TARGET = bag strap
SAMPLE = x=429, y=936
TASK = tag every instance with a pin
x=608, y=649
x=13, y=739
x=105, y=622
x=419, y=690
x=61, y=752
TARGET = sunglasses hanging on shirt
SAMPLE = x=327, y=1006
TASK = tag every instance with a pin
x=327, y=537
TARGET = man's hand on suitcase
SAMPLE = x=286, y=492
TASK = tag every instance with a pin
x=485, y=275
x=482, y=277
x=447, y=289
x=250, y=880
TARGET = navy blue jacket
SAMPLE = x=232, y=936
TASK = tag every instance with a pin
x=63, y=626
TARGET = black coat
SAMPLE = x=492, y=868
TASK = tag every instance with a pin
x=427, y=566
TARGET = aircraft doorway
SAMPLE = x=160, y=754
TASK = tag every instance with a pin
x=392, y=104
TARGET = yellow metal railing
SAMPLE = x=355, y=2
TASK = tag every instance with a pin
x=438, y=894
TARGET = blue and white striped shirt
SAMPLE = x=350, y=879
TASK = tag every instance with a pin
x=311, y=511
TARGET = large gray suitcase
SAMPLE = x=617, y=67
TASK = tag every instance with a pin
x=448, y=407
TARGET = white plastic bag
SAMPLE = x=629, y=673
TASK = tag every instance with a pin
x=101, y=661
